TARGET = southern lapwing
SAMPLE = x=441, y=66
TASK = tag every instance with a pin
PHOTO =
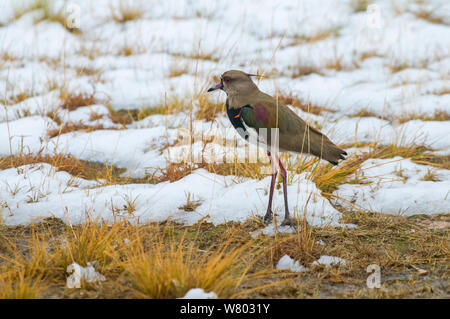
x=252, y=112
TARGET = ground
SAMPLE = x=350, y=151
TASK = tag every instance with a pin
x=112, y=152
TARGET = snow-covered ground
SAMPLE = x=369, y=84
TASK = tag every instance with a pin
x=391, y=62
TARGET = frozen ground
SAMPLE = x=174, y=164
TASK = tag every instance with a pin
x=327, y=53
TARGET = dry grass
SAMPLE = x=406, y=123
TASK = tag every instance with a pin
x=327, y=177
x=103, y=173
x=173, y=105
x=176, y=171
x=207, y=110
x=363, y=113
x=430, y=176
x=128, y=116
x=54, y=115
x=87, y=71
x=150, y=260
x=367, y=55
x=127, y=50
x=93, y=241
x=387, y=241
x=172, y=266
x=166, y=260
x=442, y=91
x=72, y=127
x=205, y=56
x=20, y=97
x=125, y=12
x=437, y=115
x=16, y=285
x=177, y=69
x=303, y=70
x=397, y=66
x=191, y=203
x=72, y=101
x=429, y=15
x=320, y=35
x=359, y=5
x=439, y=161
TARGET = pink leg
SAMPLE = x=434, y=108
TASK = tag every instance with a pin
x=287, y=220
x=274, y=171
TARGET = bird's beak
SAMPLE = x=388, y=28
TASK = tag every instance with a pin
x=215, y=87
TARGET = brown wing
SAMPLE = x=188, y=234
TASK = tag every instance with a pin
x=295, y=135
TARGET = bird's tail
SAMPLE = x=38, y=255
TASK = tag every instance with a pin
x=333, y=154
x=322, y=147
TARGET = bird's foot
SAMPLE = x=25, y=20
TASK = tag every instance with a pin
x=267, y=218
x=288, y=222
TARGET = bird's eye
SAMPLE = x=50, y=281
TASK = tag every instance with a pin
x=227, y=79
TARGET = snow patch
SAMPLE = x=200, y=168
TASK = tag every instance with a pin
x=328, y=261
x=199, y=293
x=287, y=262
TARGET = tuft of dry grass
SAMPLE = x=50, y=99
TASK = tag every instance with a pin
x=87, y=71
x=177, y=69
x=94, y=240
x=367, y=55
x=397, y=66
x=173, y=105
x=303, y=70
x=205, y=56
x=439, y=161
x=359, y=5
x=94, y=116
x=54, y=115
x=125, y=12
x=207, y=110
x=17, y=285
x=442, y=91
x=363, y=113
x=128, y=116
x=171, y=266
x=20, y=97
x=127, y=50
x=72, y=101
x=320, y=35
x=430, y=176
x=429, y=15
x=327, y=177
x=191, y=204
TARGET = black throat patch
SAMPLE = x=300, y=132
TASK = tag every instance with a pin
x=234, y=114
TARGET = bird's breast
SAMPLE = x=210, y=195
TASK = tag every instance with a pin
x=249, y=134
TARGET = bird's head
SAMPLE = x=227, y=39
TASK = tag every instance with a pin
x=235, y=82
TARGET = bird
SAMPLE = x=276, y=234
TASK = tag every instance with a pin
x=252, y=111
